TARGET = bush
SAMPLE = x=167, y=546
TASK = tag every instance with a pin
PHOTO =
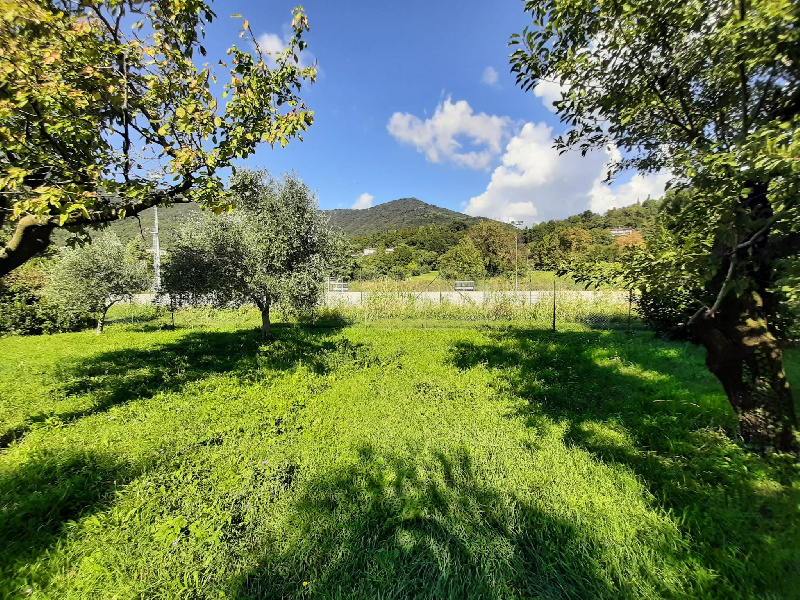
x=23, y=311
x=667, y=314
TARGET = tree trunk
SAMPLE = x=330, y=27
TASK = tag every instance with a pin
x=101, y=320
x=742, y=350
x=745, y=356
x=266, y=327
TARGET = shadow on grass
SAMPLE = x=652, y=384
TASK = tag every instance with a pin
x=119, y=376
x=652, y=407
x=422, y=526
x=40, y=498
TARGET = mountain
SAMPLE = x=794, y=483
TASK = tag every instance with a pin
x=404, y=213
x=169, y=219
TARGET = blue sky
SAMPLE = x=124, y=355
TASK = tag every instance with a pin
x=416, y=99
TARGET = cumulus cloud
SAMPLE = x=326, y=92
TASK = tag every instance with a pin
x=549, y=92
x=437, y=136
x=364, y=201
x=639, y=188
x=272, y=44
x=535, y=183
x=489, y=76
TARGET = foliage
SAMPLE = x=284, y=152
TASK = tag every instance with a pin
x=639, y=216
x=396, y=215
x=463, y=261
x=23, y=310
x=496, y=243
x=705, y=89
x=274, y=248
x=485, y=464
x=94, y=277
x=105, y=111
x=561, y=247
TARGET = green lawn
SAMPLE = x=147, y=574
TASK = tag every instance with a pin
x=381, y=462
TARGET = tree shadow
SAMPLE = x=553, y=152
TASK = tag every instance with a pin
x=120, y=376
x=42, y=496
x=414, y=525
x=652, y=407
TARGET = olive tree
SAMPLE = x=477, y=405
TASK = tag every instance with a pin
x=710, y=91
x=94, y=277
x=109, y=107
x=273, y=248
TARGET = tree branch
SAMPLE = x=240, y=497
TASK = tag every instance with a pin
x=31, y=236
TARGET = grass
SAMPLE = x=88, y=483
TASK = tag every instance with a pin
x=381, y=462
x=532, y=280
x=603, y=309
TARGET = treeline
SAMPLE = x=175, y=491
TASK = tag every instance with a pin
x=460, y=249
x=457, y=249
x=555, y=245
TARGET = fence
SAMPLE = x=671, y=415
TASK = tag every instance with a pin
x=534, y=308
x=455, y=304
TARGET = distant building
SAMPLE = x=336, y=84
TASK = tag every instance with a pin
x=620, y=231
x=368, y=251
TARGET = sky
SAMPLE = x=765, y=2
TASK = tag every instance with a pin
x=416, y=99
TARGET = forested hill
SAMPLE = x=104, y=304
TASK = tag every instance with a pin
x=404, y=213
x=169, y=219
x=638, y=216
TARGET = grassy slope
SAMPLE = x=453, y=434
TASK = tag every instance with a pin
x=391, y=463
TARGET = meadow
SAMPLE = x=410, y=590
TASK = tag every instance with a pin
x=530, y=280
x=381, y=460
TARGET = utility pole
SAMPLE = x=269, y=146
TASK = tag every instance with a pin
x=517, y=225
x=156, y=252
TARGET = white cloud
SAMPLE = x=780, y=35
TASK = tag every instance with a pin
x=489, y=76
x=637, y=189
x=364, y=201
x=536, y=183
x=549, y=92
x=436, y=137
x=273, y=44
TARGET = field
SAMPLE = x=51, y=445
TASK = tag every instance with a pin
x=532, y=280
x=381, y=461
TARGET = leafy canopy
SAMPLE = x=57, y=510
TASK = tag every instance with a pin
x=463, y=261
x=94, y=277
x=274, y=247
x=707, y=89
x=109, y=107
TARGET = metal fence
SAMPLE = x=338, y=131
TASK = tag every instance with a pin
x=455, y=303
x=539, y=308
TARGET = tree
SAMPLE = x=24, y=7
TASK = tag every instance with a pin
x=559, y=249
x=627, y=242
x=99, y=121
x=94, y=277
x=463, y=260
x=274, y=248
x=709, y=90
x=496, y=243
